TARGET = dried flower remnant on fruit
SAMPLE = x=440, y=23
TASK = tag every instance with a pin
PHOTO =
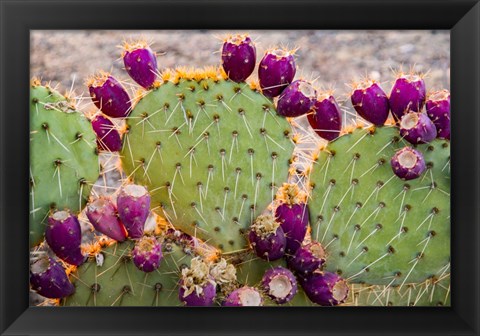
x=290, y=193
x=223, y=272
x=265, y=225
x=196, y=277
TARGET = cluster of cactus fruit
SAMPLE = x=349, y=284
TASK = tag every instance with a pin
x=208, y=156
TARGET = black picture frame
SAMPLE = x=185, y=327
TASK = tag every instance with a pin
x=18, y=17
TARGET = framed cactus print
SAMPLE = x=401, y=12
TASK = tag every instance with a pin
x=203, y=163
x=237, y=183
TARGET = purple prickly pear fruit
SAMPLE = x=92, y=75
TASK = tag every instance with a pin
x=243, y=297
x=109, y=96
x=438, y=110
x=326, y=118
x=408, y=94
x=103, y=215
x=417, y=128
x=275, y=71
x=325, y=289
x=408, y=163
x=238, y=57
x=292, y=213
x=64, y=236
x=48, y=278
x=294, y=221
x=371, y=102
x=108, y=137
x=141, y=63
x=297, y=99
x=307, y=258
x=133, y=205
x=147, y=254
x=279, y=284
x=194, y=299
x=197, y=287
x=267, y=238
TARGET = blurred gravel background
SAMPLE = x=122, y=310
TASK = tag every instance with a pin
x=333, y=58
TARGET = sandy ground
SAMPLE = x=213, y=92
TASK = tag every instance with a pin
x=329, y=58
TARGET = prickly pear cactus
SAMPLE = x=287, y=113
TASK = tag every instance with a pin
x=211, y=151
x=377, y=228
x=63, y=157
x=111, y=278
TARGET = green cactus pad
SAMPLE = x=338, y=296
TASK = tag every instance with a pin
x=63, y=158
x=208, y=149
x=377, y=228
x=432, y=292
x=118, y=282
